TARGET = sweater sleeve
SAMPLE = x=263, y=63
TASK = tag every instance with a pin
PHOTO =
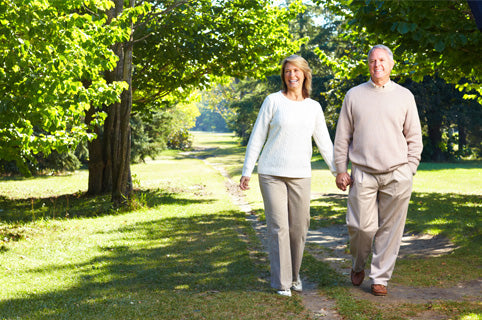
x=343, y=137
x=258, y=137
x=413, y=134
x=323, y=140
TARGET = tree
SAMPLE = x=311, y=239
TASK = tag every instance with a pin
x=162, y=128
x=109, y=162
x=210, y=120
x=68, y=65
x=51, y=64
x=176, y=46
x=316, y=31
x=443, y=113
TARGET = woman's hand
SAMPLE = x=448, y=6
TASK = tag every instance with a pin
x=343, y=180
x=244, y=183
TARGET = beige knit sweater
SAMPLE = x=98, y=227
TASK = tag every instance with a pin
x=378, y=129
x=283, y=133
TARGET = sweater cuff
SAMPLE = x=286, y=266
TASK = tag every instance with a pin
x=413, y=167
x=246, y=174
x=341, y=167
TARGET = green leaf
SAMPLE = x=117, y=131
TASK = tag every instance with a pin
x=439, y=45
x=403, y=27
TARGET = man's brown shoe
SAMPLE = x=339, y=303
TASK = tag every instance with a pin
x=357, y=277
x=379, y=290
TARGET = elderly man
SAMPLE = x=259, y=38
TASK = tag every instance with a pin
x=379, y=132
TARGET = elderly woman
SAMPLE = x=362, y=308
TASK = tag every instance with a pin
x=286, y=124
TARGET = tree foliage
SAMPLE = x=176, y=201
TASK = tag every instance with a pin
x=436, y=46
x=51, y=61
x=157, y=129
x=451, y=124
x=428, y=37
x=313, y=34
x=76, y=69
x=202, y=40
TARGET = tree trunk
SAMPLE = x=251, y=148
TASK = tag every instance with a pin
x=121, y=135
x=462, y=134
x=435, y=137
x=109, y=154
x=96, y=159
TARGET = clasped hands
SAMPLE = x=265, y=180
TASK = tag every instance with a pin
x=343, y=180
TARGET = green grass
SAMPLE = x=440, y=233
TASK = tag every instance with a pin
x=446, y=201
x=182, y=256
x=187, y=252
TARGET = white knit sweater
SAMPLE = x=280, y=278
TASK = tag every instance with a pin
x=285, y=128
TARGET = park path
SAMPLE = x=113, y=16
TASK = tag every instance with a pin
x=329, y=245
x=320, y=306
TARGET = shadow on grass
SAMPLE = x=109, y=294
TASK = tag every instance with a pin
x=167, y=261
x=456, y=216
x=328, y=210
x=215, y=152
x=79, y=205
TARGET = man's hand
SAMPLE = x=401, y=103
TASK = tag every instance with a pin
x=343, y=179
x=244, y=183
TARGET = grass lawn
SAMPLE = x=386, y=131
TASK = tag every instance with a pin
x=185, y=251
x=446, y=200
x=182, y=255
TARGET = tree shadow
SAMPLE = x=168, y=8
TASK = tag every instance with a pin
x=328, y=210
x=79, y=205
x=455, y=216
x=185, y=256
x=233, y=152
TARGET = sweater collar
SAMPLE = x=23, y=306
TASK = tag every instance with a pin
x=387, y=85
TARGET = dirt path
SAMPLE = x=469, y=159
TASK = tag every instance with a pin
x=329, y=245
x=319, y=305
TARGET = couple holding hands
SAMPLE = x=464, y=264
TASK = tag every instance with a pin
x=378, y=131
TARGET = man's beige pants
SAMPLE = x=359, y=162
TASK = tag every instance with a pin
x=287, y=211
x=377, y=210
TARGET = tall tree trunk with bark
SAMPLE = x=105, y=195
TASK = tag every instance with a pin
x=109, y=154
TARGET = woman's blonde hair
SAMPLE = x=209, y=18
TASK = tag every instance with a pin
x=302, y=64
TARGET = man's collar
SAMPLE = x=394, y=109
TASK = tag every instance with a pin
x=386, y=85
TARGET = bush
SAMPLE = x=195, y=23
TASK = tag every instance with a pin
x=181, y=140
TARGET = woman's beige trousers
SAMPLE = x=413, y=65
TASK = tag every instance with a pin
x=287, y=211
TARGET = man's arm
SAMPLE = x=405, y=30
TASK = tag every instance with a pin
x=413, y=134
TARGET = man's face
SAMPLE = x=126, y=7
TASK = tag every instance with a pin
x=380, y=66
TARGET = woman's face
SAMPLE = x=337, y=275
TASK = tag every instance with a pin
x=293, y=77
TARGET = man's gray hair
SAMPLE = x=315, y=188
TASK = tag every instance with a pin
x=383, y=47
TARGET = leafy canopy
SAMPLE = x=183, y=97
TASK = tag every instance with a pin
x=203, y=40
x=428, y=38
x=52, y=56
